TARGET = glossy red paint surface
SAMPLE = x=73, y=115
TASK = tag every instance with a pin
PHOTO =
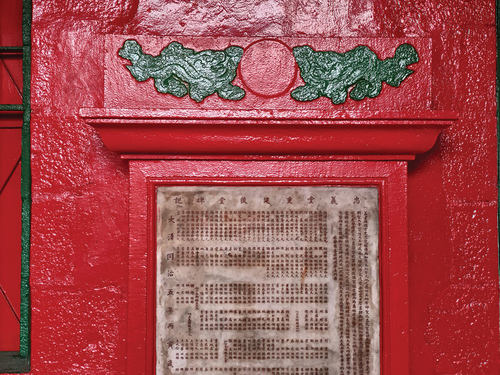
x=79, y=255
x=265, y=132
x=271, y=79
x=122, y=91
x=11, y=86
x=388, y=177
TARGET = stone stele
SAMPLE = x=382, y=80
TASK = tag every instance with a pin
x=267, y=280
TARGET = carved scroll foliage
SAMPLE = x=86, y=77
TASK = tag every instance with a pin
x=332, y=74
x=178, y=70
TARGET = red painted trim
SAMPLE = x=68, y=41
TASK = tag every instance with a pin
x=320, y=116
x=389, y=177
x=266, y=157
x=265, y=132
x=151, y=282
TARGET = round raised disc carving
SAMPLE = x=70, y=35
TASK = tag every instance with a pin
x=268, y=68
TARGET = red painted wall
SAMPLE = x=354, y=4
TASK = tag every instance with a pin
x=80, y=189
x=11, y=86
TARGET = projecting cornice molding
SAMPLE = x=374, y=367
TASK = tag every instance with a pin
x=368, y=135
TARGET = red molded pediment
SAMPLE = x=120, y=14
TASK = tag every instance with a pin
x=374, y=135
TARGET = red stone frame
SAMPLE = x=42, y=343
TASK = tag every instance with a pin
x=390, y=177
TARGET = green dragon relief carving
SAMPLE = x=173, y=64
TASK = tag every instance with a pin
x=178, y=70
x=332, y=74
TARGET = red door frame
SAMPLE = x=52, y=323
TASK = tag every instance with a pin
x=390, y=177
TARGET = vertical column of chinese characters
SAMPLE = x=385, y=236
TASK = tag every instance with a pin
x=352, y=262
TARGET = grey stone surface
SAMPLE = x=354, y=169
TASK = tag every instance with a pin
x=258, y=279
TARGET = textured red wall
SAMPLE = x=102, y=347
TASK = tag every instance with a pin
x=80, y=189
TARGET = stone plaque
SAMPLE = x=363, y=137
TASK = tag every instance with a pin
x=267, y=280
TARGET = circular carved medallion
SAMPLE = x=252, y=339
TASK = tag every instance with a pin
x=268, y=68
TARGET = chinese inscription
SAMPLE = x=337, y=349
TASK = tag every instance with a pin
x=267, y=280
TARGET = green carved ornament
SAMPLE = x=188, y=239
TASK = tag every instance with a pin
x=332, y=74
x=178, y=70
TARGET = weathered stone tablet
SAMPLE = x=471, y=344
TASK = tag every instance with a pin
x=267, y=280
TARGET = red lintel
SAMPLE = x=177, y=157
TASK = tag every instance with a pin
x=383, y=135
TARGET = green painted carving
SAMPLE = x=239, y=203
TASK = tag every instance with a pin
x=178, y=70
x=331, y=74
